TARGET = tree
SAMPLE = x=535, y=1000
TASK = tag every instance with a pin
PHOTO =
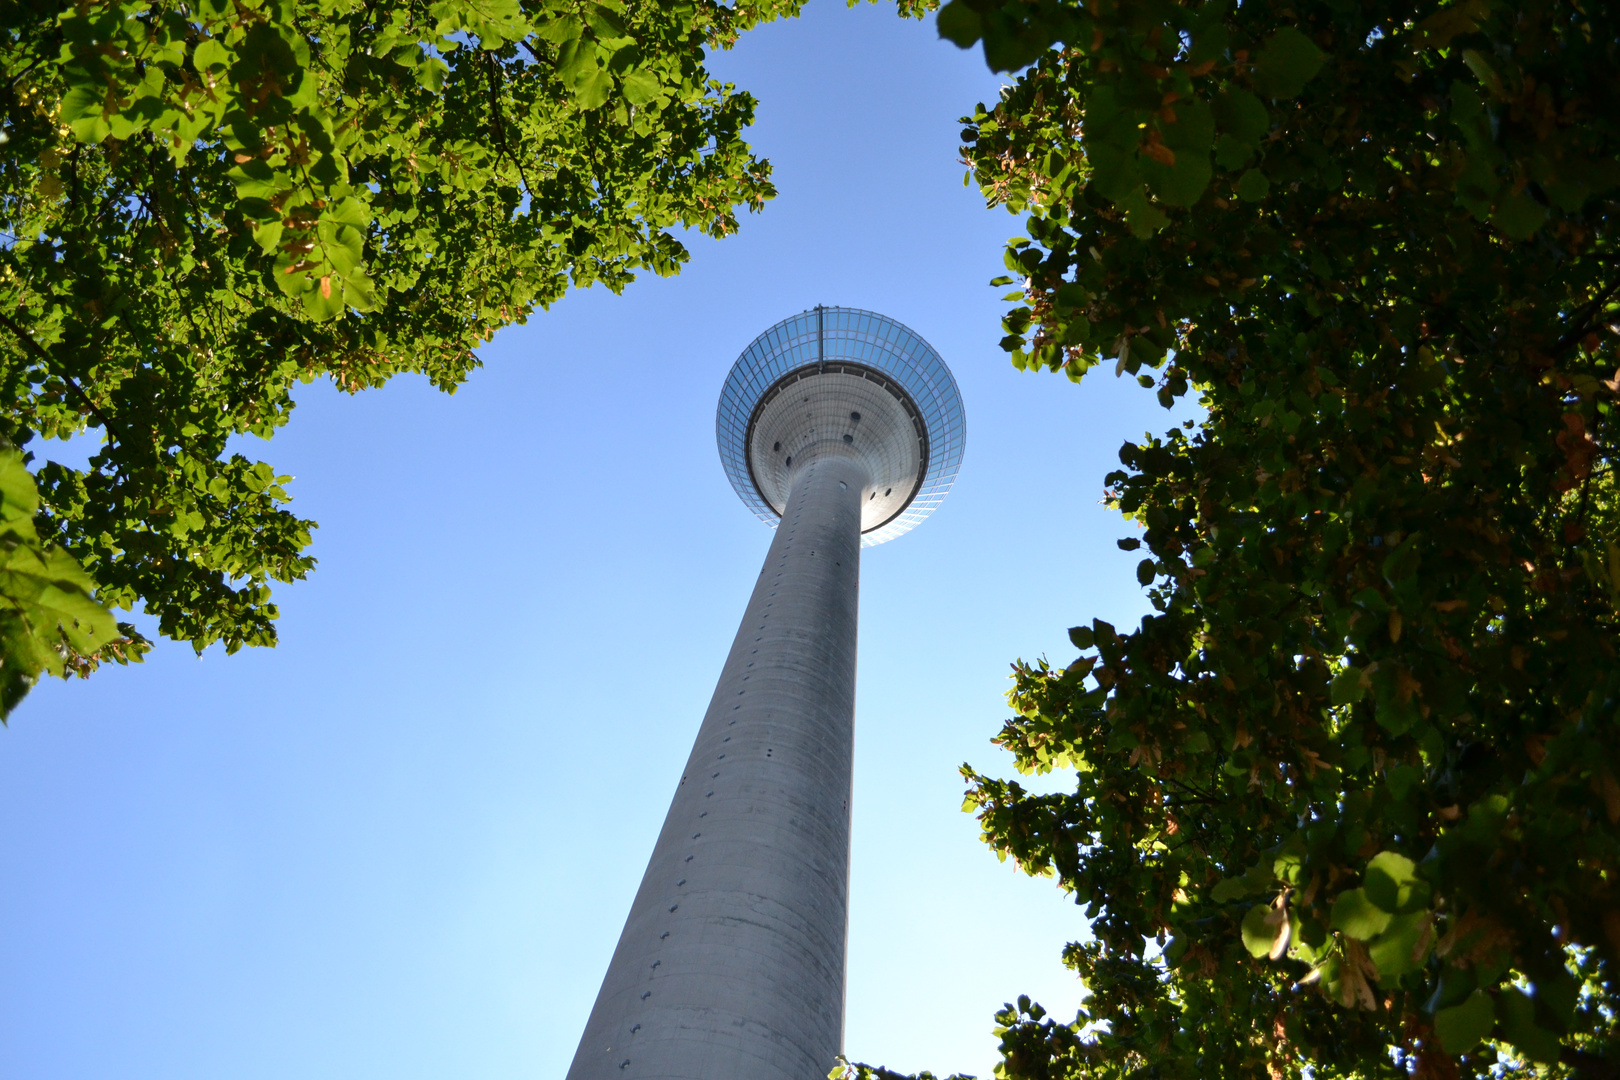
x=209, y=202
x=47, y=615
x=1347, y=800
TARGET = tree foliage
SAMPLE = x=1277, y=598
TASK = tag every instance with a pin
x=48, y=619
x=1348, y=800
x=206, y=203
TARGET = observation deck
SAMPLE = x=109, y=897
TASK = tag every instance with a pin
x=835, y=382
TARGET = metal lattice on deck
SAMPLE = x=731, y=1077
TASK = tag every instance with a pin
x=825, y=336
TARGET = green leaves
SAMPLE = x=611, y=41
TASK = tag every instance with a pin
x=1260, y=925
x=959, y=23
x=1517, y=1012
x=1252, y=186
x=219, y=202
x=592, y=89
x=1461, y=1027
x=493, y=22
x=1518, y=215
x=85, y=110
x=591, y=50
x=1381, y=660
x=48, y=620
x=1357, y=916
x=278, y=93
x=1286, y=63
x=1188, y=138
x=1391, y=882
x=641, y=87
x=1403, y=947
x=1257, y=879
x=1243, y=121
x=1404, y=561
x=1349, y=686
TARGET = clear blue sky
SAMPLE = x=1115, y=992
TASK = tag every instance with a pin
x=400, y=846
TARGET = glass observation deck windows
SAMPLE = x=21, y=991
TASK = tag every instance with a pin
x=824, y=338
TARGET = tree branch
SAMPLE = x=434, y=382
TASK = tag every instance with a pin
x=1583, y=320
x=39, y=353
x=490, y=65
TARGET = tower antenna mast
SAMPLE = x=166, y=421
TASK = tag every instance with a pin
x=821, y=340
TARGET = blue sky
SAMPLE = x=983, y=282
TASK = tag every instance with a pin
x=401, y=844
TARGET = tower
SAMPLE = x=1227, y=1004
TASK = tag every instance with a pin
x=844, y=429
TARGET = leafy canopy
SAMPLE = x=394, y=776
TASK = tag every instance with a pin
x=1348, y=801
x=207, y=203
x=46, y=611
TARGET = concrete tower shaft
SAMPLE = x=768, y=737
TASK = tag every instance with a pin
x=731, y=964
x=843, y=429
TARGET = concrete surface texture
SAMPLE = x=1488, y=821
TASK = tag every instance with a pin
x=731, y=963
x=846, y=410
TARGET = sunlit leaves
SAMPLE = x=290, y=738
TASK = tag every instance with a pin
x=493, y=23
x=49, y=621
x=1355, y=914
x=212, y=203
